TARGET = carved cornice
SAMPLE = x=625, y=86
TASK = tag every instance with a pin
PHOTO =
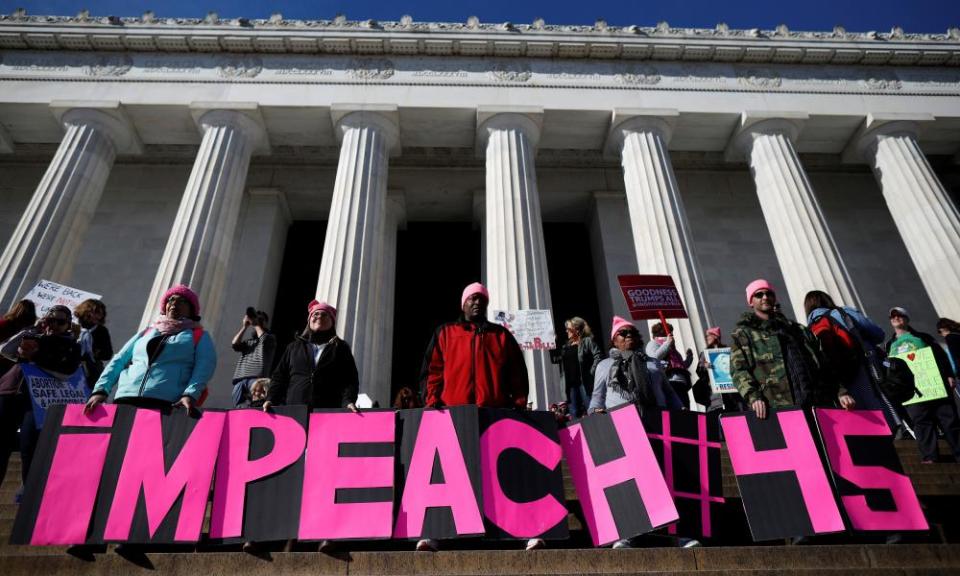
x=474, y=38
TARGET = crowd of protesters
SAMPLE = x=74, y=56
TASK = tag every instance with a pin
x=840, y=358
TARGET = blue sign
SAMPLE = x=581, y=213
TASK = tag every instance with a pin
x=719, y=366
x=47, y=390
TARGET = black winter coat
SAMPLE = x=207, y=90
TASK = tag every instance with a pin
x=330, y=383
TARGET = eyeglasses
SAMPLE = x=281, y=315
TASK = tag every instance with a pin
x=320, y=314
x=175, y=298
x=625, y=333
x=764, y=294
x=57, y=321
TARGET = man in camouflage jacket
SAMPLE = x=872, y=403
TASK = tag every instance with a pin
x=764, y=342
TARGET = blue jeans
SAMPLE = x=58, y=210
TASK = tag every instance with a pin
x=577, y=399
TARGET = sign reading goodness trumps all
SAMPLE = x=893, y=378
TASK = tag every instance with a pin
x=122, y=474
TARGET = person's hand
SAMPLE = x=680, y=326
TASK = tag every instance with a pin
x=267, y=406
x=28, y=348
x=353, y=407
x=247, y=322
x=689, y=353
x=599, y=410
x=847, y=402
x=760, y=408
x=670, y=339
x=94, y=401
x=184, y=402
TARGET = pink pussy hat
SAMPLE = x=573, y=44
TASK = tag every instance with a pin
x=714, y=331
x=184, y=291
x=619, y=323
x=475, y=288
x=756, y=286
x=322, y=306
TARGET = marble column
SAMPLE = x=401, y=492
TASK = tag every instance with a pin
x=516, y=263
x=808, y=256
x=379, y=363
x=51, y=231
x=351, y=267
x=661, y=233
x=201, y=242
x=923, y=212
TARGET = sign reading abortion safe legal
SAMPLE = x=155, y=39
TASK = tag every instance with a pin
x=649, y=296
x=122, y=474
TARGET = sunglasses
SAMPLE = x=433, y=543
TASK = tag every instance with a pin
x=625, y=333
x=764, y=294
x=57, y=321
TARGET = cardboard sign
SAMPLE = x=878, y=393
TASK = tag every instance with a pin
x=47, y=390
x=648, y=296
x=721, y=380
x=533, y=329
x=520, y=457
x=866, y=469
x=687, y=446
x=47, y=294
x=782, y=480
x=926, y=375
x=439, y=474
x=610, y=460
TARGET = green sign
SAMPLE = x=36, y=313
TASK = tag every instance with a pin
x=926, y=374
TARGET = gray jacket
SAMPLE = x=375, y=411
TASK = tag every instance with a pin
x=607, y=397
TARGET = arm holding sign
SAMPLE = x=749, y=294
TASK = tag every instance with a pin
x=111, y=374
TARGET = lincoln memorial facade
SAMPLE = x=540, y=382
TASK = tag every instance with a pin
x=384, y=166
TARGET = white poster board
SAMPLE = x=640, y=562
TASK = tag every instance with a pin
x=47, y=294
x=533, y=329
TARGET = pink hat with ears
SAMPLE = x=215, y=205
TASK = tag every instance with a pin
x=322, y=306
x=619, y=323
x=183, y=291
x=475, y=288
x=714, y=331
x=756, y=286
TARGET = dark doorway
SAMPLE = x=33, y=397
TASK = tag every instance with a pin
x=298, y=280
x=435, y=261
x=573, y=291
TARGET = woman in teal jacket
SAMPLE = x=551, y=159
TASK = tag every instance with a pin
x=167, y=364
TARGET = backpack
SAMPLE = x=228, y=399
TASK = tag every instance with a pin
x=896, y=381
x=197, y=334
x=840, y=347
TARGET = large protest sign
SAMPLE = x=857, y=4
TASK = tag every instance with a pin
x=47, y=390
x=259, y=479
x=926, y=375
x=721, y=380
x=687, y=446
x=533, y=329
x=782, y=480
x=610, y=460
x=350, y=461
x=874, y=491
x=522, y=482
x=650, y=296
x=47, y=294
x=438, y=474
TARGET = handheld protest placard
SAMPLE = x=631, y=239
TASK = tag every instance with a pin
x=256, y=496
x=874, y=491
x=157, y=477
x=348, y=482
x=616, y=475
x=522, y=481
x=687, y=446
x=61, y=492
x=439, y=474
x=782, y=480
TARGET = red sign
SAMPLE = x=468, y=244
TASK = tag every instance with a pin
x=648, y=296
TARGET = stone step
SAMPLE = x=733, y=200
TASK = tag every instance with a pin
x=752, y=560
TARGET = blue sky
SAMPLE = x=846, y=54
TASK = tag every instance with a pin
x=881, y=15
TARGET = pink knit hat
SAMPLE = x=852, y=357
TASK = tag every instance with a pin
x=475, y=288
x=619, y=323
x=313, y=305
x=756, y=286
x=185, y=292
x=714, y=331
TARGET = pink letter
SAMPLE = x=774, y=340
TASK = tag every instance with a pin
x=800, y=457
x=143, y=469
x=437, y=436
x=835, y=425
x=321, y=517
x=638, y=464
x=235, y=470
x=74, y=478
x=520, y=519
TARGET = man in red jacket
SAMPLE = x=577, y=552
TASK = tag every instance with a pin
x=474, y=361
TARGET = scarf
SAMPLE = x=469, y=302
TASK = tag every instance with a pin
x=628, y=376
x=319, y=337
x=168, y=326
